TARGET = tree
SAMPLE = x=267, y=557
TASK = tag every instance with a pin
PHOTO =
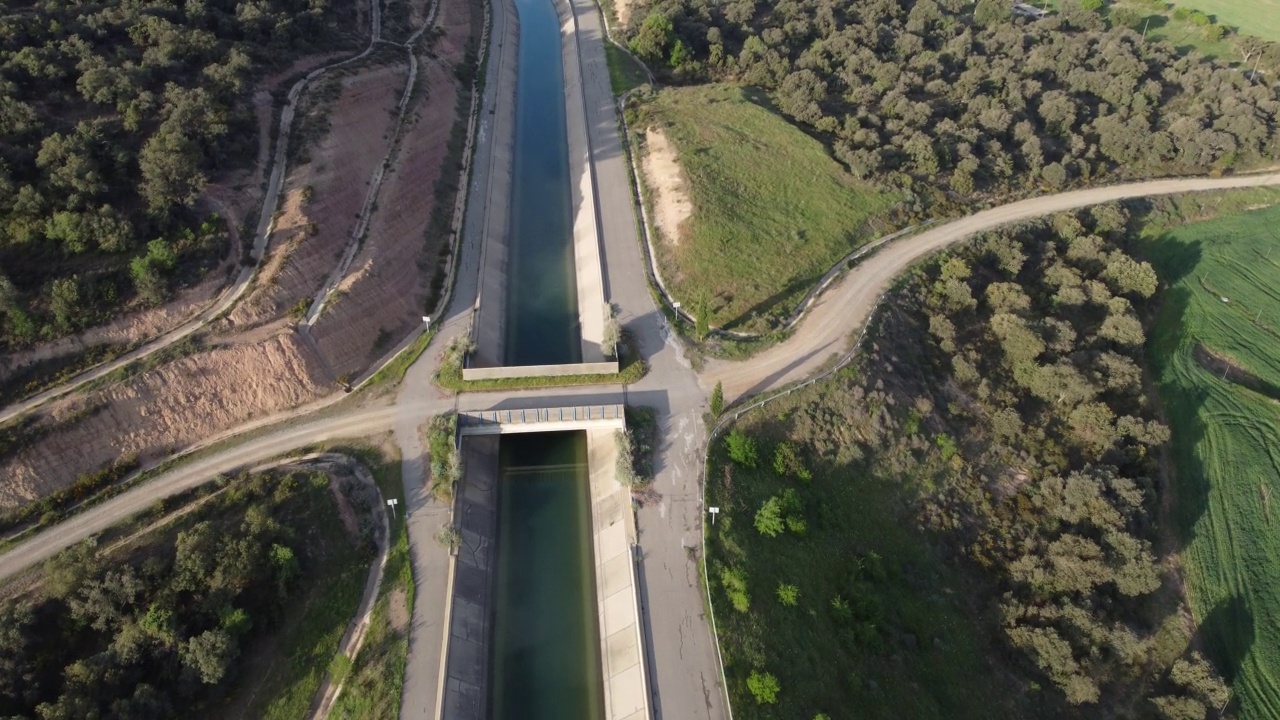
x=717, y=398
x=742, y=448
x=701, y=316
x=764, y=687
x=990, y=12
x=1125, y=17
x=769, y=520
x=1127, y=275
x=170, y=163
x=788, y=595
x=209, y=655
x=1199, y=678
x=650, y=43
x=735, y=586
x=64, y=301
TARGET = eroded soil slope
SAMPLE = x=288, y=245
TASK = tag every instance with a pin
x=385, y=293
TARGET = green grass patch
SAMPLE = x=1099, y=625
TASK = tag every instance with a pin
x=1260, y=18
x=394, y=372
x=1224, y=300
x=625, y=72
x=850, y=605
x=772, y=211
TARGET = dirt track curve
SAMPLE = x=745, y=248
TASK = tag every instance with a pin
x=825, y=330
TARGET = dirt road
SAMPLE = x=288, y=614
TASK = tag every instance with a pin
x=825, y=330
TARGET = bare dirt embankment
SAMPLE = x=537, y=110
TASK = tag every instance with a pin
x=255, y=364
x=385, y=293
x=323, y=195
x=667, y=186
x=173, y=406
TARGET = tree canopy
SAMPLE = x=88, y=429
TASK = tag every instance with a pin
x=112, y=120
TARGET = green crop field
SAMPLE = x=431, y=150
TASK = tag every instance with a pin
x=1215, y=353
x=772, y=211
x=1260, y=18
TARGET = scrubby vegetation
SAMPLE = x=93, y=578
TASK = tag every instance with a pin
x=112, y=120
x=446, y=463
x=958, y=102
x=965, y=521
x=1214, y=356
x=171, y=621
x=376, y=677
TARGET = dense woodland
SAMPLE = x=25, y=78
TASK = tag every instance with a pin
x=1000, y=413
x=113, y=117
x=957, y=102
x=162, y=630
x=1013, y=367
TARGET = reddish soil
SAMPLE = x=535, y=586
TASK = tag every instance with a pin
x=299, y=261
x=171, y=407
x=254, y=364
x=387, y=287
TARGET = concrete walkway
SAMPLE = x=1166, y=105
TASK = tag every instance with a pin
x=626, y=692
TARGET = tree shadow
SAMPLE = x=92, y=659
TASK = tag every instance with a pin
x=1172, y=258
x=1227, y=634
x=769, y=306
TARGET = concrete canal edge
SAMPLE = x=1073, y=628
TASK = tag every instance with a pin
x=626, y=691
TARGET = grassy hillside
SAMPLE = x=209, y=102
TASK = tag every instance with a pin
x=772, y=211
x=1260, y=18
x=1224, y=306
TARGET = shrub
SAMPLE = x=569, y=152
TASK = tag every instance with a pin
x=717, y=399
x=742, y=449
x=769, y=518
x=764, y=687
x=735, y=586
x=788, y=595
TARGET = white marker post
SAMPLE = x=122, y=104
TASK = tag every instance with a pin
x=392, y=505
x=426, y=320
x=714, y=512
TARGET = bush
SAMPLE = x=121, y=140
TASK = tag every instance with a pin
x=742, y=449
x=717, y=399
x=764, y=687
x=788, y=595
x=735, y=586
x=769, y=518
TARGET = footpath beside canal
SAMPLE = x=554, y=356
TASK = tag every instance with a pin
x=489, y=316
x=582, y=182
x=613, y=529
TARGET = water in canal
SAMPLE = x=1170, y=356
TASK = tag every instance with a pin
x=546, y=650
x=542, y=292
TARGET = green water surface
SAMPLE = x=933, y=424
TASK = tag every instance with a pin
x=546, y=649
x=542, y=291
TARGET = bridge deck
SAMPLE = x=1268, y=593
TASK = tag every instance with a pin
x=581, y=417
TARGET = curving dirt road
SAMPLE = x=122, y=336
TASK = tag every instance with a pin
x=825, y=330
